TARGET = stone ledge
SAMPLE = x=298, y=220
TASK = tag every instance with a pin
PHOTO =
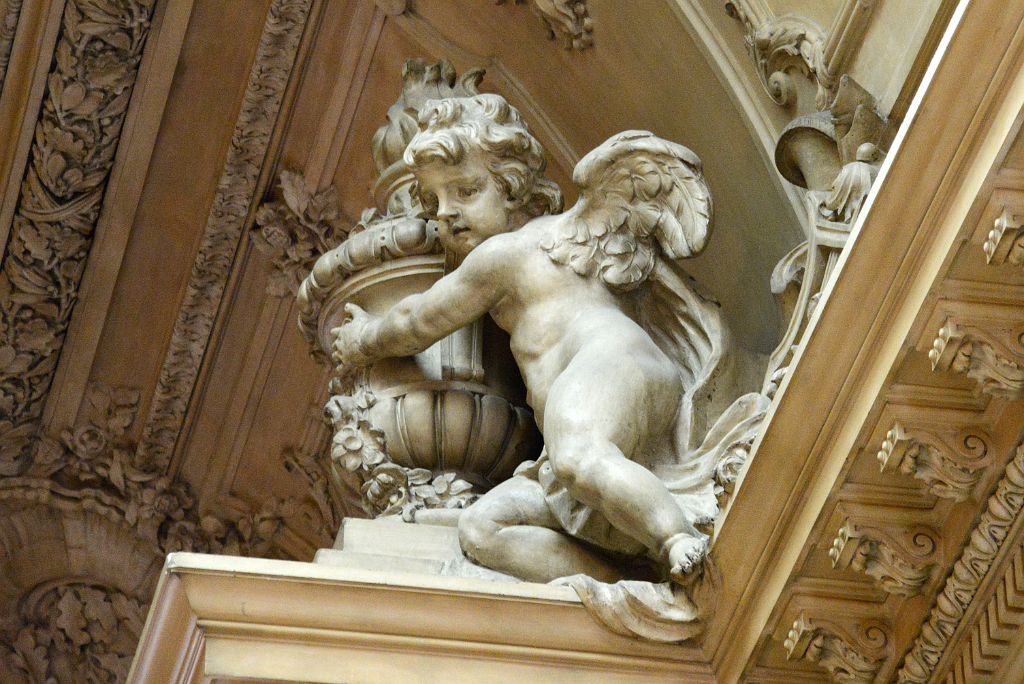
x=311, y=622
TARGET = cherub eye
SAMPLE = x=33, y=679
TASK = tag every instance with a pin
x=466, y=191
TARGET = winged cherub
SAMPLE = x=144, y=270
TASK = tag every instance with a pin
x=616, y=346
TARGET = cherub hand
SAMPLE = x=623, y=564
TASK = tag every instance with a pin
x=349, y=342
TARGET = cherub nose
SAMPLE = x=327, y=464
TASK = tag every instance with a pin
x=447, y=214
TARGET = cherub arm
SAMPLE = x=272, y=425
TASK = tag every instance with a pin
x=419, y=320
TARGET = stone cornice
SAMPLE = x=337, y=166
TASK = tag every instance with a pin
x=967, y=576
x=232, y=204
x=827, y=421
x=984, y=651
x=76, y=138
x=451, y=629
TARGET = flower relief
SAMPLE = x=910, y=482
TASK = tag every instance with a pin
x=295, y=232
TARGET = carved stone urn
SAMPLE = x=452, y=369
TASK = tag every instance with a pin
x=434, y=430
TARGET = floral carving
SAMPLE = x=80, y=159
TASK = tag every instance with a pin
x=75, y=632
x=8, y=25
x=568, y=19
x=295, y=232
x=236, y=189
x=393, y=490
x=88, y=89
x=968, y=573
x=360, y=448
x=97, y=466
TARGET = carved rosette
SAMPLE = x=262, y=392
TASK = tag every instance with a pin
x=949, y=462
x=435, y=430
x=1004, y=244
x=990, y=352
x=848, y=655
x=899, y=559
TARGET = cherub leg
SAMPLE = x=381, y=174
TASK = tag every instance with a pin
x=590, y=428
x=631, y=497
x=511, y=529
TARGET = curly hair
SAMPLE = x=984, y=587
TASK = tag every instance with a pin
x=449, y=128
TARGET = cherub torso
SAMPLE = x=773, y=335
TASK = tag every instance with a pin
x=553, y=314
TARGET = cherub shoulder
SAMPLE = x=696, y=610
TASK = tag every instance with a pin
x=496, y=256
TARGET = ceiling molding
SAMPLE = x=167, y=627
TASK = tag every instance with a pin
x=117, y=218
x=72, y=155
x=974, y=93
x=941, y=633
x=225, y=227
x=9, y=17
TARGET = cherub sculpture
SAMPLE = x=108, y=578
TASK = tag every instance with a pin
x=618, y=349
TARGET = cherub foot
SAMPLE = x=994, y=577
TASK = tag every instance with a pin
x=684, y=552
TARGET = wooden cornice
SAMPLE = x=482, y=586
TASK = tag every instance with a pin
x=876, y=310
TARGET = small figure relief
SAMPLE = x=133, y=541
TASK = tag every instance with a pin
x=625, y=360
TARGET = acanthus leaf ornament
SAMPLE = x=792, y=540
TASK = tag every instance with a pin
x=848, y=656
x=75, y=631
x=950, y=465
x=990, y=352
x=780, y=45
x=900, y=560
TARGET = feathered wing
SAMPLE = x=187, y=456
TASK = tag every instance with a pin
x=638, y=194
x=644, y=204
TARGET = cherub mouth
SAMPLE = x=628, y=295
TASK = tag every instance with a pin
x=456, y=230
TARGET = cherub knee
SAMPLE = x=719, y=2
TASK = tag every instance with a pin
x=571, y=462
x=478, y=531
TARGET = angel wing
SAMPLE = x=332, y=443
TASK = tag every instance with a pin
x=638, y=194
x=644, y=204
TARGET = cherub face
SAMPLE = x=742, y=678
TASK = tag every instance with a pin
x=470, y=205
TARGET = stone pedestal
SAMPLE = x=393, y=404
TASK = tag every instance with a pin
x=391, y=545
x=226, y=619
